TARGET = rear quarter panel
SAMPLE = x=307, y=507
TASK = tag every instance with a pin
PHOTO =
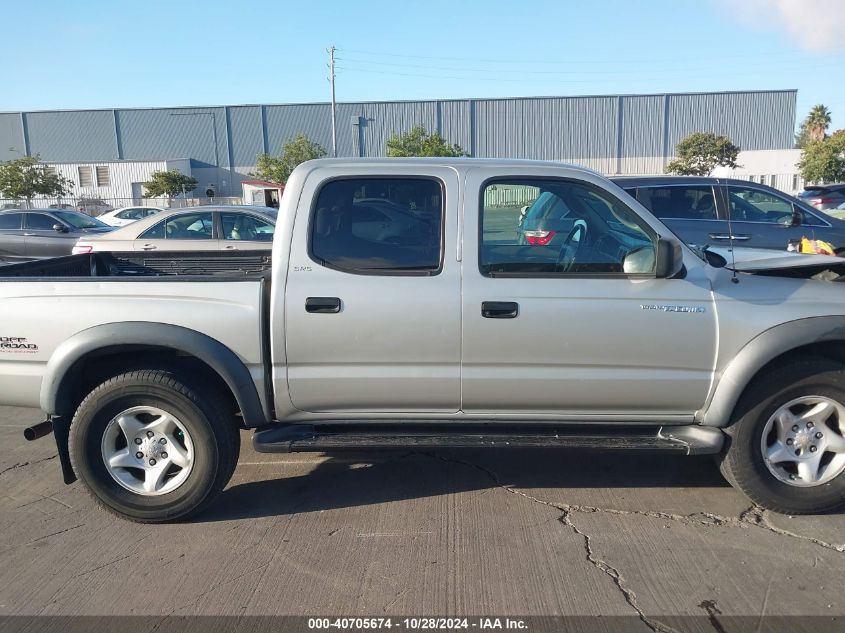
x=43, y=314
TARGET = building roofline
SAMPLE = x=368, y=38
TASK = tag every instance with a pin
x=387, y=101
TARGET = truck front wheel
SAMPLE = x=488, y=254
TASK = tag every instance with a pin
x=786, y=446
x=151, y=448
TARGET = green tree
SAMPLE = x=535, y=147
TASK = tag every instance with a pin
x=701, y=152
x=419, y=142
x=27, y=177
x=824, y=160
x=817, y=123
x=168, y=183
x=279, y=168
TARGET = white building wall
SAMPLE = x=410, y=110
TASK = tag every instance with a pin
x=121, y=176
x=777, y=168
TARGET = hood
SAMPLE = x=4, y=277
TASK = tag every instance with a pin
x=780, y=263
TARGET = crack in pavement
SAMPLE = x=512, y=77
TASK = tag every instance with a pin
x=754, y=516
x=23, y=464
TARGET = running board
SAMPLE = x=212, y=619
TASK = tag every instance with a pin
x=303, y=438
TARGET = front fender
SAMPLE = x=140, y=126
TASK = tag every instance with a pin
x=212, y=352
x=757, y=354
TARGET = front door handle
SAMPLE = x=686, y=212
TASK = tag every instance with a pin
x=727, y=236
x=499, y=309
x=322, y=305
x=149, y=247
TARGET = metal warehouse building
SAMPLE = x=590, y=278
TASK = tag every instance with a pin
x=618, y=134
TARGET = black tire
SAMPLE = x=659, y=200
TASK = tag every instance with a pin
x=742, y=461
x=214, y=435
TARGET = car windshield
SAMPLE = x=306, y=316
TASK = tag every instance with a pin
x=78, y=220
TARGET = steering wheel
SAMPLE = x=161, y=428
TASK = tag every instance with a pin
x=569, y=250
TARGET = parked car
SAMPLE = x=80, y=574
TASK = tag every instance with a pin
x=203, y=228
x=698, y=209
x=61, y=205
x=93, y=206
x=460, y=336
x=127, y=215
x=824, y=197
x=27, y=234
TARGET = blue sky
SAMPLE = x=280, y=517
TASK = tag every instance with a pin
x=100, y=54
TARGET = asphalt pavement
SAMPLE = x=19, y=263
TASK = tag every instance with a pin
x=501, y=532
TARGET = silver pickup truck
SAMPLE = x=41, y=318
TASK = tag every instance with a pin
x=403, y=308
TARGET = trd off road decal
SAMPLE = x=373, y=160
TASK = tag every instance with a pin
x=16, y=344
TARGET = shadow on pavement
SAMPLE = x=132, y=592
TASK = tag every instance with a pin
x=348, y=480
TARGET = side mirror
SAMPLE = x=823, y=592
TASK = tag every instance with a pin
x=60, y=228
x=669, y=259
x=788, y=221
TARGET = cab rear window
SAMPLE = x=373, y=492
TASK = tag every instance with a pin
x=379, y=226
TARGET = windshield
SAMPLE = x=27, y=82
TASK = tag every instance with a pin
x=78, y=221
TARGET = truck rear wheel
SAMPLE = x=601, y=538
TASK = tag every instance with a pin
x=151, y=448
x=786, y=447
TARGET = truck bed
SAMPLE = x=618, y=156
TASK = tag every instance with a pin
x=46, y=304
x=132, y=264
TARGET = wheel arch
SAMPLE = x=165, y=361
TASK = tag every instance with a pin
x=57, y=387
x=815, y=336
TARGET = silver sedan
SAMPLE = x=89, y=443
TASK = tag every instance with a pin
x=204, y=228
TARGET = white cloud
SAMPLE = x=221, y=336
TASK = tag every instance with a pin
x=816, y=25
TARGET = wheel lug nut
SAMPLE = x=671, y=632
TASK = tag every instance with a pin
x=150, y=433
x=819, y=435
x=138, y=440
x=790, y=441
x=813, y=449
x=810, y=425
x=164, y=455
x=162, y=441
x=152, y=462
x=139, y=454
x=795, y=428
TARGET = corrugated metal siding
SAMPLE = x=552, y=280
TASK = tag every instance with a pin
x=76, y=135
x=548, y=129
x=642, y=135
x=11, y=136
x=284, y=122
x=455, y=123
x=753, y=120
x=156, y=134
x=247, y=135
x=613, y=134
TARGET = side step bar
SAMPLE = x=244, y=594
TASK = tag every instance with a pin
x=304, y=438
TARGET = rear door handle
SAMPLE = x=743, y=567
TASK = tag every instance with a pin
x=499, y=309
x=727, y=236
x=322, y=305
x=148, y=247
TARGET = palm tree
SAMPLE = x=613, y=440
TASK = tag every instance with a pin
x=817, y=122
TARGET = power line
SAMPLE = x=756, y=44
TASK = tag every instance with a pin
x=762, y=55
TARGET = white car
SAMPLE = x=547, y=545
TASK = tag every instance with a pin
x=128, y=215
x=202, y=228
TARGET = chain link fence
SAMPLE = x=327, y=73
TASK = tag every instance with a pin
x=98, y=206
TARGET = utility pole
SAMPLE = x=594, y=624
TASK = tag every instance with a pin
x=330, y=50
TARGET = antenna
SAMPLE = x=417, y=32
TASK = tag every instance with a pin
x=727, y=198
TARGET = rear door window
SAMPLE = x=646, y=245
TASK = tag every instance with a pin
x=245, y=227
x=379, y=226
x=679, y=202
x=40, y=222
x=10, y=221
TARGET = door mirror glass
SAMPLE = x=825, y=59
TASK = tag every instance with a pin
x=669, y=258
